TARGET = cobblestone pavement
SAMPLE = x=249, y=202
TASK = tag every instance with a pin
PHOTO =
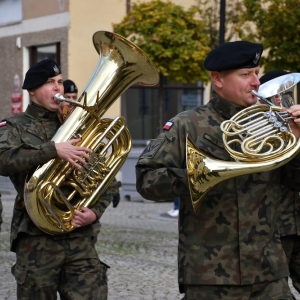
x=139, y=242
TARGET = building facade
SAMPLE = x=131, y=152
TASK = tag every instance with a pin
x=31, y=30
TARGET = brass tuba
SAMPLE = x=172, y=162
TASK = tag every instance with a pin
x=259, y=139
x=57, y=187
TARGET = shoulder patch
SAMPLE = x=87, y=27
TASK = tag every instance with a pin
x=152, y=148
x=168, y=125
x=4, y=136
x=2, y=123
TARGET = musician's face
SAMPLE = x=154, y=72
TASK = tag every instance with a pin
x=44, y=94
x=236, y=85
x=71, y=96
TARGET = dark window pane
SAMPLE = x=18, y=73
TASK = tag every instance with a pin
x=141, y=107
x=38, y=53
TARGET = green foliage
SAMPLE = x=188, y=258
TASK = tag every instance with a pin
x=277, y=28
x=209, y=12
x=173, y=38
x=177, y=40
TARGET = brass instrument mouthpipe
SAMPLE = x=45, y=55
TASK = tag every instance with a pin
x=58, y=98
x=253, y=92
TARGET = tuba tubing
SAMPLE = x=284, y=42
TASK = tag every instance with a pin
x=56, y=187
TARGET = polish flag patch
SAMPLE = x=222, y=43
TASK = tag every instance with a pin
x=2, y=124
x=168, y=125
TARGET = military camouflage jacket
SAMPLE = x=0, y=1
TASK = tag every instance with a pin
x=289, y=218
x=234, y=240
x=25, y=143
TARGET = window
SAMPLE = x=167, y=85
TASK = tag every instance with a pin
x=146, y=111
x=10, y=12
x=38, y=53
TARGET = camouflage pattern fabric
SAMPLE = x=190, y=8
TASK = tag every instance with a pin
x=71, y=266
x=114, y=192
x=235, y=238
x=276, y=290
x=25, y=144
x=291, y=246
x=289, y=205
x=289, y=232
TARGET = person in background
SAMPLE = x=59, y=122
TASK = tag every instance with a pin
x=45, y=264
x=230, y=249
x=289, y=218
x=71, y=92
x=174, y=212
x=1, y=210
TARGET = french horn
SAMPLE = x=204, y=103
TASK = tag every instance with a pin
x=258, y=138
x=56, y=187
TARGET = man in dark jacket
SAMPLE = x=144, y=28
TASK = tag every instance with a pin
x=47, y=264
x=231, y=249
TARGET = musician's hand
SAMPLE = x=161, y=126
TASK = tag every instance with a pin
x=70, y=153
x=294, y=111
x=83, y=217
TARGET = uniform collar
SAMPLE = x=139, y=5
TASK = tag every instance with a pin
x=39, y=112
x=224, y=107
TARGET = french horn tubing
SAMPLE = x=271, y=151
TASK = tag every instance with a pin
x=258, y=138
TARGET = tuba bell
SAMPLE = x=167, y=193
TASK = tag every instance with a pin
x=56, y=187
x=258, y=138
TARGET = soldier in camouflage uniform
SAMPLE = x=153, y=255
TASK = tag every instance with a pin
x=289, y=219
x=47, y=264
x=231, y=249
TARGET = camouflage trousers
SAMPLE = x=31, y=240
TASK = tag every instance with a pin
x=291, y=246
x=275, y=290
x=96, y=230
x=70, y=267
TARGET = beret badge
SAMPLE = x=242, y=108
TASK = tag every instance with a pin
x=56, y=70
x=256, y=58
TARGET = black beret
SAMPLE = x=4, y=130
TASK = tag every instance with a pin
x=234, y=55
x=271, y=75
x=70, y=86
x=39, y=73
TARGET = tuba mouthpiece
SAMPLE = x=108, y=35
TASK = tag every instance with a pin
x=59, y=98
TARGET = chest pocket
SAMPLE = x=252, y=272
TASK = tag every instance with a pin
x=213, y=146
x=32, y=137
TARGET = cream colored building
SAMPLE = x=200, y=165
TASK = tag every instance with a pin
x=63, y=26
x=31, y=30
